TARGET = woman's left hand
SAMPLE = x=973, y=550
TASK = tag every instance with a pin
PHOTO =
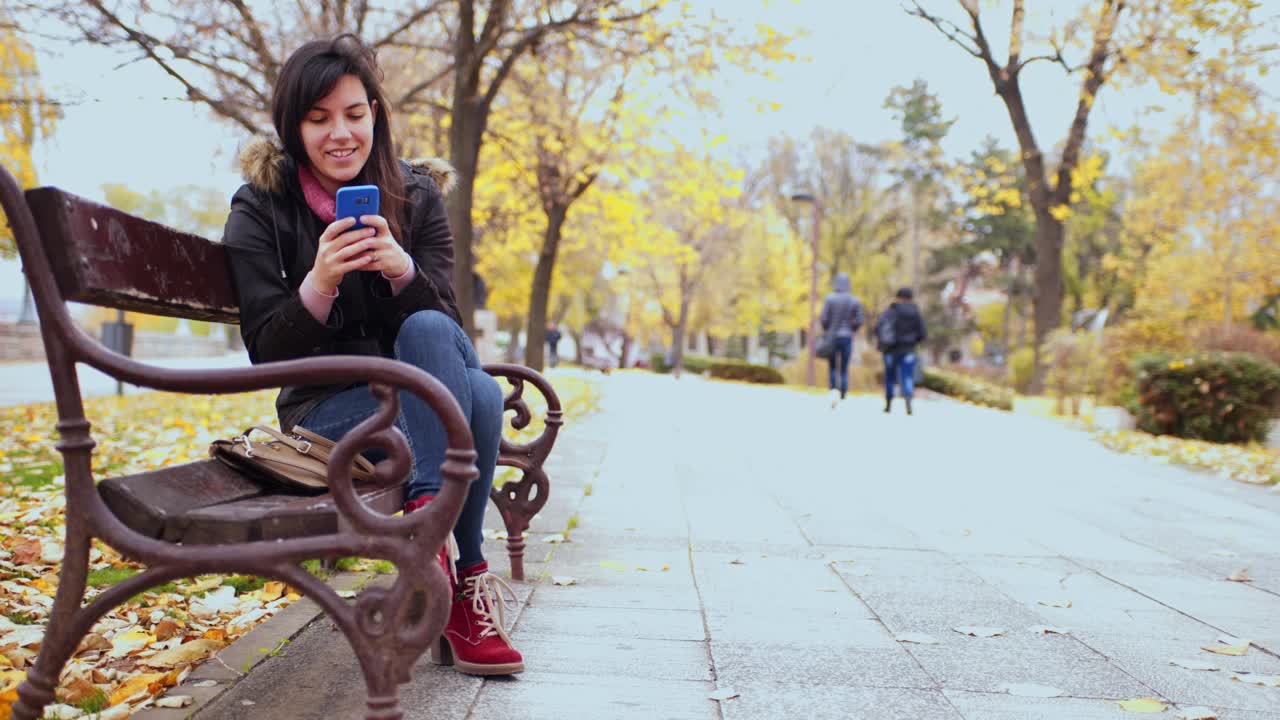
x=387, y=255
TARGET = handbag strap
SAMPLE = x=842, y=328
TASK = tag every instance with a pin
x=306, y=442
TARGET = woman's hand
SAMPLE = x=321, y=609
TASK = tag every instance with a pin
x=340, y=251
x=387, y=256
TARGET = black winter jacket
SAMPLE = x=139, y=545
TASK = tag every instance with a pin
x=908, y=327
x=271, y=237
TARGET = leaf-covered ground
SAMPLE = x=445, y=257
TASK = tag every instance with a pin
x=1251, y=464
x=149, y=643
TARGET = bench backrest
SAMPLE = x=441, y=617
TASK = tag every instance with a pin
x=103, y=256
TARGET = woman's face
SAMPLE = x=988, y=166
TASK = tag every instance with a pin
x=337, y=133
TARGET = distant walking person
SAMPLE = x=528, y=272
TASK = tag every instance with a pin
x=898, y=331
x=553, y=343
x=841, y=317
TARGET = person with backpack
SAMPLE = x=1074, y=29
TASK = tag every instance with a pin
x=898, y=331
x=841, y=317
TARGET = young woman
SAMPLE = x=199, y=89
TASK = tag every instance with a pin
x=309, y=285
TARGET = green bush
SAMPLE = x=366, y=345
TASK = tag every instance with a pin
x=1021, y=367
x=1123, y=344
x=965, y=388
x=1219, y=397
x=737, y=370
x=724, y=368
x=695, y=364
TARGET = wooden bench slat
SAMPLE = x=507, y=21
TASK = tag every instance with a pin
x=208, y=503
x=148, y=502
x=106, y=257
x=272, y=517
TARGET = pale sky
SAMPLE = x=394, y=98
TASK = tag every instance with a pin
x=854, y=53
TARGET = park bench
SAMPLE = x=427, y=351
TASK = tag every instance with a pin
x=203, y=517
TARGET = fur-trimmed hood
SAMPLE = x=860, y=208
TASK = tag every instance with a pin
x=262, y=163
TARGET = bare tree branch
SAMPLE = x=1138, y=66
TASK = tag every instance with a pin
x=270, y=65
x=410, y=20
x=1015, y=34
x=1095, y=76
x=953, y=32
x=408, y=96
x=147, y=45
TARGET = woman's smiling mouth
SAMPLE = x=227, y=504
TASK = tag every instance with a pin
x=341, y=154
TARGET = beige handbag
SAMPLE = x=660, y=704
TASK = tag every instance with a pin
x=297, y=461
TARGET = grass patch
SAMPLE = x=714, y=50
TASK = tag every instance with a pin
x=317, y=568
x=106, y=577
x=349, y=564
x=94, y=704
x=244, y=583
x=384, y=567
x=21, y=618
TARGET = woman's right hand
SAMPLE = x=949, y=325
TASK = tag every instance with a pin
x=341, y=250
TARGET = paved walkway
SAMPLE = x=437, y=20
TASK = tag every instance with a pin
x=754, y=539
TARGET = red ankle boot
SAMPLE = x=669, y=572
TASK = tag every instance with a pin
x=448, y=553
x=475, y=640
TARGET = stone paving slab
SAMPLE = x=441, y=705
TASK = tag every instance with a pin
x=766, y=701
x=561, y=697
x=988, y=664
x=849, y=626
x=596, y=622
x=602, y=595
x=1000, y=706
x=817, y=666
x=610, y=658
x=1147, y=658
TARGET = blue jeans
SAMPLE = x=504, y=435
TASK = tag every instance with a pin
x=432, y=341
x=841, y=349
x=900, y=366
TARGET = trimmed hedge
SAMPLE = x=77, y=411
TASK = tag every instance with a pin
x=1219, y=397
x=737, y=370
x=696, y=364
x=966, y=388
x=722, y=368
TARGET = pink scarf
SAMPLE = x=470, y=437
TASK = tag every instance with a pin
x=324, y=205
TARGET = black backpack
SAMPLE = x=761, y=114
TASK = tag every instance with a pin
x=886, y=336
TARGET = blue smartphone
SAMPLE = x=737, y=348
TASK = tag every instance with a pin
x=357, y=200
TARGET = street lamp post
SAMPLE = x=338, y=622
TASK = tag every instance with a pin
x=811, y=339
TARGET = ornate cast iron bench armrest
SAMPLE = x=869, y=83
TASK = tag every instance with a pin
x=518, y=501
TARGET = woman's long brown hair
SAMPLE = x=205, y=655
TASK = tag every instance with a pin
x=311, y=73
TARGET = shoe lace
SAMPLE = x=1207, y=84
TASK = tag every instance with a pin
x=490, y=597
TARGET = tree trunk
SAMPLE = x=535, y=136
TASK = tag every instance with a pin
x=577, y=345
x=541, y=291
x=1048, y=287
x=1006, y=321
x=468, y=117
x=627, y=342
x=678, y=339
x=513, y=346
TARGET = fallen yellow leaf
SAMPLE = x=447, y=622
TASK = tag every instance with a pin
x=272, y=591
x=137, y=684
x=184, y=654
x=1233, y=650
x=132, y=641
x=1142, y=705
